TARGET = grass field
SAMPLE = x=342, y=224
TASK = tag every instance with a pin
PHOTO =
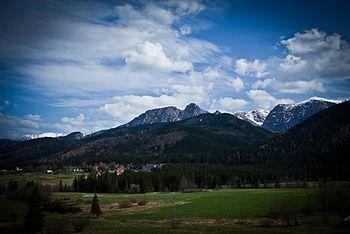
x=222, y=211
x=212, y=211
x=42, y=178
x=221, y=204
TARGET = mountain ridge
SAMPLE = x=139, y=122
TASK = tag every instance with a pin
x=255, y=117
x=285, y=116
x=166, y=114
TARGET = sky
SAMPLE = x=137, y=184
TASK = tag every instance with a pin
x=89, y=65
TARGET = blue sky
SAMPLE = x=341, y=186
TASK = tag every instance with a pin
x=89, y=65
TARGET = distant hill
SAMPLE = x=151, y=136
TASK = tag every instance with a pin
x=285, y=116
x=158, y=141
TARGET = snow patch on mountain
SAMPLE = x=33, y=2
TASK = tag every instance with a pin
x=285, y=116
x=255, y=117
x=42, y=135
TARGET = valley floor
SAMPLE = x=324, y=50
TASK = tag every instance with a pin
x=212, y=211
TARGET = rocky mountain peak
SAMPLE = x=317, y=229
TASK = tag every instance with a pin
x=166, y=114
x=192, y=110
x=255, y=117
x=285, y=116
x=74, y=136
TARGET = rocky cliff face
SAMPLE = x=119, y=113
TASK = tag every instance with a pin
x=286, y=116
x=166, y=114
x=255, y=117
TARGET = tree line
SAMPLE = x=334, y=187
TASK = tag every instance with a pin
x=184, y=177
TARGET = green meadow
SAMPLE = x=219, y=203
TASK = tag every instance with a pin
x=216, y=211
x=42, y=178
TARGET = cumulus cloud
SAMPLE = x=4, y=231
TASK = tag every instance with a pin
x=140, y=44
x=313, y=58
x=255, y=68
x=299, y=87
x=78, y=120
x=292, y=64
x=125, y=108
x=14, y=127
x=265, y=100
x=262, y=84
x=185, y=7
x=228, y=104
x=151, y=55
x=312, y=41
x=315, y=54
x=185, y=30
x=237, y=84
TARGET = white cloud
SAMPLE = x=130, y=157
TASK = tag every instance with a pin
x=228, y=104
x=151, y=55
x=211, y=73
x=256, y=68
x=299, y=87
x=32, y=117
x=147, y=16
x=185, y=30
x=292, y=64
x=237, y=84
x=312, y=41
x=78, y=120
x=125, y=108
x=184, y=7
x=314, y=54
x=265, y=100
x=262, y=84
x=313, y=58
x=137, y=47
x=72, y=124
x=14, y=127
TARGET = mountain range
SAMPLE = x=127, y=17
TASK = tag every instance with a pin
x=203, y=134
x=285, y=116
x=199, y=138
x=281, y=118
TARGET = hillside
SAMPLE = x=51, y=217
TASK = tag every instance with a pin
x=174, y=141
x=319, y=146
x=285, y=116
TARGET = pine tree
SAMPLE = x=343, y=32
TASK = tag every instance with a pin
x=34, y=219
x=95, y=207
x=60, y=186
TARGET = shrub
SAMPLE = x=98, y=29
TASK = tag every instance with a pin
x=309, y=208
x=63, y=206
x=23, y=193
x=57, y=225
x=266, y=223
x=134, y=188
x=34, y=219
x=125, y=204
x=285, y=211
x=332, y=198
x=174, y=223
x=133, y=200
x=80, y=223
x=142, y=202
